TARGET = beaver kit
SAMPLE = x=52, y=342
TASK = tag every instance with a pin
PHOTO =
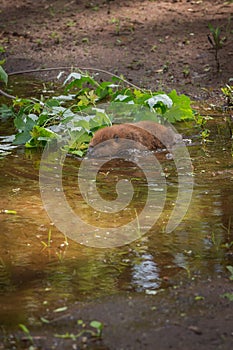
x=144, y=135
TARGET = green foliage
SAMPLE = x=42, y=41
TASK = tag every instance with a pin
x=77, y=111
x=26, y=331
x=6, y=211
x=216, y=41
x=227, y=91
x=6, y=112
x=230, y=269
x=3, y=74
x=229, y=296
x=98, y=326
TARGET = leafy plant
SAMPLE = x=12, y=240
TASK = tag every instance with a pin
x=98, y=326
x=3, y=74
x=227, y=91
x=201, y=122
x=77, y=112
x=230, y=269
x=216, y=41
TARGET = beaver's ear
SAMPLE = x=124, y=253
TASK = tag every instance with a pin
x=116, y=137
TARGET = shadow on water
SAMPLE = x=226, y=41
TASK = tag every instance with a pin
x=41, y=270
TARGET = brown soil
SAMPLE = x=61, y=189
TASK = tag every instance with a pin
x=155, y=44
x=195, y=317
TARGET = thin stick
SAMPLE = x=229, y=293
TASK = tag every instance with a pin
x=72, y=67
x=7, y=95
x=37, y=70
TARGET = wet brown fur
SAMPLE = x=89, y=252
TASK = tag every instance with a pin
x=147, y=134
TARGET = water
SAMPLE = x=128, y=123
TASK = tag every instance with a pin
x=41, y=269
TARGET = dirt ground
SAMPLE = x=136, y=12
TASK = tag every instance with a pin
x=155, y=44
x=193, y=316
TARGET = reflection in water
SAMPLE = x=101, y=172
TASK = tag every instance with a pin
x=39, y=273
x=145, y=275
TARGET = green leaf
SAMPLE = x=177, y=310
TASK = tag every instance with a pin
x=6, y=211
x=60, y=309
x=24, y=122
x=53, y=102
x=82, y=123
x=2, y=49
x=78, y=80
x=44, y=320
x=77, y=153
x=229, y=296
x=230, y=269
x=157, y=100
x=98, y=326
x=24, y=328
x=6, y=112
x=199, y=297
x=3, y=75
x=181, y=109
x=22, y=138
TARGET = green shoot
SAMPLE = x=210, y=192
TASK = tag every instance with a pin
x=216, y=42
x=27, y=332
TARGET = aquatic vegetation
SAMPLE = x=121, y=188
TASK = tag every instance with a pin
x=76, y=110
x=227, y=91
x=98, y=326
x=6, y=211
x=49, y=240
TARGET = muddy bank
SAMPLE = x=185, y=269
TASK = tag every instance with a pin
x=191, y=316
x=155, y=44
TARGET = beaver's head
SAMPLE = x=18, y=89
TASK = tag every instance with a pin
x=111, y=141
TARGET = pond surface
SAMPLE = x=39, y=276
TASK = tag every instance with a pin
x=41, y=269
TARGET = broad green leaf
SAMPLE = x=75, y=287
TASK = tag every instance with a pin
x=163, y=98
x=39, y=131
x=3, y=75
x=98, y=326
x=22, y=138
x=25, y=123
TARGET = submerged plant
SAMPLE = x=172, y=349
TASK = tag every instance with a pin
x=49, y=240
